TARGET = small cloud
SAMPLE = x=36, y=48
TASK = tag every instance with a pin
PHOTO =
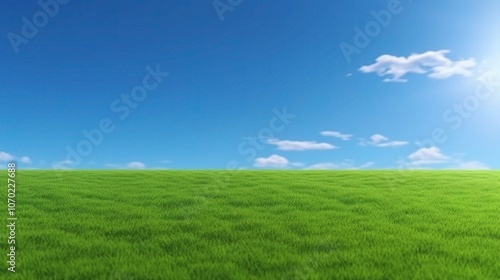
x=427, y=156
x=25, y=160
x=379, y=140
x=392, y=144
x=136, y=165
x=4, y=157
x=337, y=134
x=271, y=161
x=472, y=165
x=433, y=63
x=366, y=165
x=348, y=75
x=287, y=145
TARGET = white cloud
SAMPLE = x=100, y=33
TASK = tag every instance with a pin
x=271, y=161
x=25, y=159
x=136, y=165
x=287, y=145
x=337, y=134
x=6, y=157
x=433, y=63
x=392, y=144
x=366, y=165
x=379, y=140
x=473, y=165
x=426, y=156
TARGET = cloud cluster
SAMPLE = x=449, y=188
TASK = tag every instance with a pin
x=6, y=157
x=433, y=63
x=424, y=157
x=288, y=145
x=277, y=161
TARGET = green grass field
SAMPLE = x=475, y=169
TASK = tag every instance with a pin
x=256, y=225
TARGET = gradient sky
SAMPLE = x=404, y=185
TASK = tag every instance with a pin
x=352, y=100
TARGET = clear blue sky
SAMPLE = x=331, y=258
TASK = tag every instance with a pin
x=352, y=100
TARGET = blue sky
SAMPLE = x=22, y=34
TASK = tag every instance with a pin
x=244, y=84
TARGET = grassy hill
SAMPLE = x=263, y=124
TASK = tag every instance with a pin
x=256, y=225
